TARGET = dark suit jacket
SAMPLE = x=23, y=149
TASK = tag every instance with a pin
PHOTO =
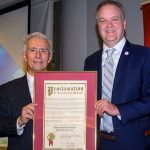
x=13, y=96
x=131, y=94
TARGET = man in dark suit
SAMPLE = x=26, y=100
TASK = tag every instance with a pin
x=16, y=97
x=124, y=108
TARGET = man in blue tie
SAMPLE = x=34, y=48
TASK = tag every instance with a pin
x=123, y=105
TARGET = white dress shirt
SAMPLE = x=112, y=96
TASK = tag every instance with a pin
x=30, y=80
x=115, y=56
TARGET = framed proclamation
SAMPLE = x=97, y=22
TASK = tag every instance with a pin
x=65, y=116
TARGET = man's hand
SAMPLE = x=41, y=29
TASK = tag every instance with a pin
x=26, y=114
x=105, y=106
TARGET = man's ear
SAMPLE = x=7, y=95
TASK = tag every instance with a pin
x=25, y=57
x=50, y=58
x=125, y=24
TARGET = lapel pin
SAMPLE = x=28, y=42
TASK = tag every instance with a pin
x=126, y=53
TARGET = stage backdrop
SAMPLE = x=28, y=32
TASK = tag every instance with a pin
x=13, y=27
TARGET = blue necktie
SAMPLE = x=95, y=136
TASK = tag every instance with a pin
x=107, y=88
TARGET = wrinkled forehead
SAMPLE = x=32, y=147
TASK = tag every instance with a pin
x=38, y=42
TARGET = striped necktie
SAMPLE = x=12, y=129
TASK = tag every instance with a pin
x=107, y=88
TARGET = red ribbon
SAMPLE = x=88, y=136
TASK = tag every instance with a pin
x=50, y=142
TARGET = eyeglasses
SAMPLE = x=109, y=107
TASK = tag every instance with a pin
x=34, y=49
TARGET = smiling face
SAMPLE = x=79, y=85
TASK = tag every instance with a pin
x=37, y=55
x=111, y=24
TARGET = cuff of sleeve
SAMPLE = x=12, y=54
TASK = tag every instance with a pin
x=119, y=117
x=20, y=129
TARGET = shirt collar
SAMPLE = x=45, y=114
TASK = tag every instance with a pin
x=30, y=79
x=119, y=46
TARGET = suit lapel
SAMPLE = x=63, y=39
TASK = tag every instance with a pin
x=24, y=89
x=121, y=67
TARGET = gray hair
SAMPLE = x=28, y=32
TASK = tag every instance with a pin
x=111, y=2
x=38, y=35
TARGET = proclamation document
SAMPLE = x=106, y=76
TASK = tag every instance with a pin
x=65, y=118
x=65, y=114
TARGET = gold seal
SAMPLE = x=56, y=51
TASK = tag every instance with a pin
x=51, y=137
